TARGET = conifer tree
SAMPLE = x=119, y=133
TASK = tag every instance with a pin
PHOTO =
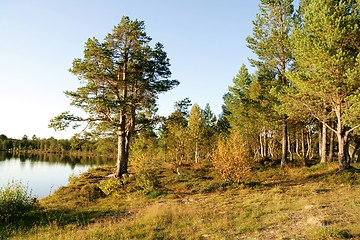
x=242, y=102
x=121, y=79
x=270, y=42
x=326, y=83
x=249, y=111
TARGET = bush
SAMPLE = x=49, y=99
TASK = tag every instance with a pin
x=146, y=165
x=110, y=185
x=15, y=201
x=147, y=180
x=232, y=158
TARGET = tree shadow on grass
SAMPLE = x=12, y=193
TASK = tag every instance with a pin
x=349, y=176
x=56, y=218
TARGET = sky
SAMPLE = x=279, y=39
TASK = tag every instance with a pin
x=205, y=41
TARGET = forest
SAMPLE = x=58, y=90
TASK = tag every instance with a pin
x=300, y=105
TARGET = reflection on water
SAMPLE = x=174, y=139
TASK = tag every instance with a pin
x=44, y=173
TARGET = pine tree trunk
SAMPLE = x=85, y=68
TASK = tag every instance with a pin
x=343, y=160
x=331, y=144
x=323, y=143
x=342, y=136
x=123, y=154
x=121, y=165
x=284, y=142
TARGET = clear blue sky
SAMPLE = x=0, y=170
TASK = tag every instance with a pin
x=205, y=41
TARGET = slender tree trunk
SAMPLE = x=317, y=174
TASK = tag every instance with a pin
x=331, y=143
x=303, y=154
x=196, y=152
x=319, y=140
x=289, y=148
x=123, y=154
x=261, y=146
x=271, y=148
x=297, y=147
x=266, y=154
x=284, y=141
x=309, y=148
x=323, y=143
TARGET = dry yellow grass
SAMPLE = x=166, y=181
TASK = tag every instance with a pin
x=312, y=203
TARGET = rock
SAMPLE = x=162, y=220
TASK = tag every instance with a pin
x=113, y=175
x=309, y=207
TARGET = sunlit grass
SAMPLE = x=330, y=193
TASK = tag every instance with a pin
x=292, y=203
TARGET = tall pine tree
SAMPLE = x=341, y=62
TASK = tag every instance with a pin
x=270, y=42
x=121, y=79
x=326, y=83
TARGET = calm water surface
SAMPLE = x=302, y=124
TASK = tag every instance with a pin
x=43, y=174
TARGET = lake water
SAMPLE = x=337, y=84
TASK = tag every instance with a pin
x=42, y=174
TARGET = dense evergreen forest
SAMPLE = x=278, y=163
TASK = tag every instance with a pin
x=79, y=144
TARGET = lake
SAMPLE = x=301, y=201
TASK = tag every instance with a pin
x=43, y=174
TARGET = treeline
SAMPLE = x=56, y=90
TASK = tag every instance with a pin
x=79, y=144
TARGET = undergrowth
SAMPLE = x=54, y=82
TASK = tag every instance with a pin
x=16, y=202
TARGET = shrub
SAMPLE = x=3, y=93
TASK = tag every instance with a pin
x=147, y=180
x=15, y=201
x=145, y=164
x=232, y=158
x=110, y=185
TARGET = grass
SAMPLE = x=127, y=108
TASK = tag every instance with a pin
x=293, y=203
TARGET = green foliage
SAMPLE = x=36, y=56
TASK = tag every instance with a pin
x=145, y=162
x=121, y=78
x=270, y=41
x=325, y=83
x=147, y=180
x=196, y=128
x=174, y=133
x=107, y=94
x=243, y=102
x=188, y=137
x=15, y=201
x=110, y=185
